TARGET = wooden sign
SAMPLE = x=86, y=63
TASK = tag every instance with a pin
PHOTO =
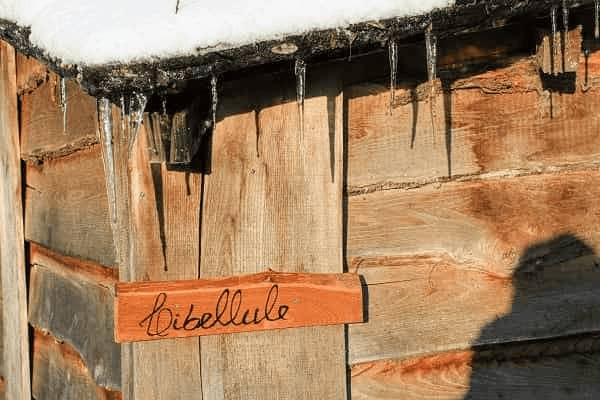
x=269, y=300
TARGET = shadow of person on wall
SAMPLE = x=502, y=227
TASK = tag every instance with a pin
x=556, y=294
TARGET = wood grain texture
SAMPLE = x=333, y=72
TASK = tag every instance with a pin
x=274, y=200
x=42, y=131
x=495, y=121
x=77, y=308
x=475, y=262
x=30, y=73
x=567, y=370
x=66, y=207
x=12, y=244
x=264, y=301
x=158, y=217
x=59, y=373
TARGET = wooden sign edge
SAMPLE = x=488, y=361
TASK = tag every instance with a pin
x=349, y=283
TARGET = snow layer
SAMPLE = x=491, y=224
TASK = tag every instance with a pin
x=96, y=32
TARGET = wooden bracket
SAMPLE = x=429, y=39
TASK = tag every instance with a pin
x=176, y=139
x=559, y=54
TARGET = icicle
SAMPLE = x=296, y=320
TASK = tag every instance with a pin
x=553, y=40
x=300, y=72
x=79, y=76
x=106, y=139
x=123, y=112
x=597, y=19
x=63, y=102
x=565, y=17
x=393, y=58
x=214, y=98
x=351, y=38
x=137, y=106
x=431, y=53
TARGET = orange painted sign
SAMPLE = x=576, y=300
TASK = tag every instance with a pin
x=269, y=300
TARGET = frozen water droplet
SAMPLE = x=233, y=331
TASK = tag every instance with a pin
x=79, y=76
x=597, y=19
x=300, y=72
x=431, y=50
x=431, y=54
x=351, y=36
x=137, y=106
x=393, y=58
x=123, y=112
x=214, y=98
x=553, y=39
x=63, y=102
x=106, y=139
x=565, y=17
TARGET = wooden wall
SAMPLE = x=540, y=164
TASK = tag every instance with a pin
x=479, y=243
x=477, y=239
x=71, y=252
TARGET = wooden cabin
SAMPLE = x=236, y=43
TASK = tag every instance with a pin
x=465, y=196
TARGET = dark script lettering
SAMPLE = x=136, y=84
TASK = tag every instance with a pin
x=228, y=310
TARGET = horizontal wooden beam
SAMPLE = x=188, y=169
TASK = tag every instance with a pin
x=269, y=300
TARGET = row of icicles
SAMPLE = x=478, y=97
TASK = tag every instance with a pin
x=133, y=108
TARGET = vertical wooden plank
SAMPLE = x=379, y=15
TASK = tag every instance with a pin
x=274, y=200
x=158, y=217
x=12, y=243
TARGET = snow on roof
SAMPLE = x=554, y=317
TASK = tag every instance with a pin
x=95, y=32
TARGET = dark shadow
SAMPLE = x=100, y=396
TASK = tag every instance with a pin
x=447, y=93
x=414, y=101
x=561, y=83
x=555, y=302
x=331, y=118
x=157, y=180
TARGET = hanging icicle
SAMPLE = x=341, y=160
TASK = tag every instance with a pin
x=214, y=98
x=393, y=58
x=63, y=102
x=300, y=72
x=351, y=36
x=565, y=18
x=137, y=106
x=431, y=53
x=597, y=19
x=106, y=139
x=554, y=47
x=123, y=112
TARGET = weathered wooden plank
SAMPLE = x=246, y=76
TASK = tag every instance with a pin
x=60, y=373
x=12, y=244
x=444, y=263
x=30, y=73
x=66, y=207
x=43, y=134
x=264, y=301
x=157, y=228
x=274, y=199
x=75, y=303
x=495, y=121
x=543, y=371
